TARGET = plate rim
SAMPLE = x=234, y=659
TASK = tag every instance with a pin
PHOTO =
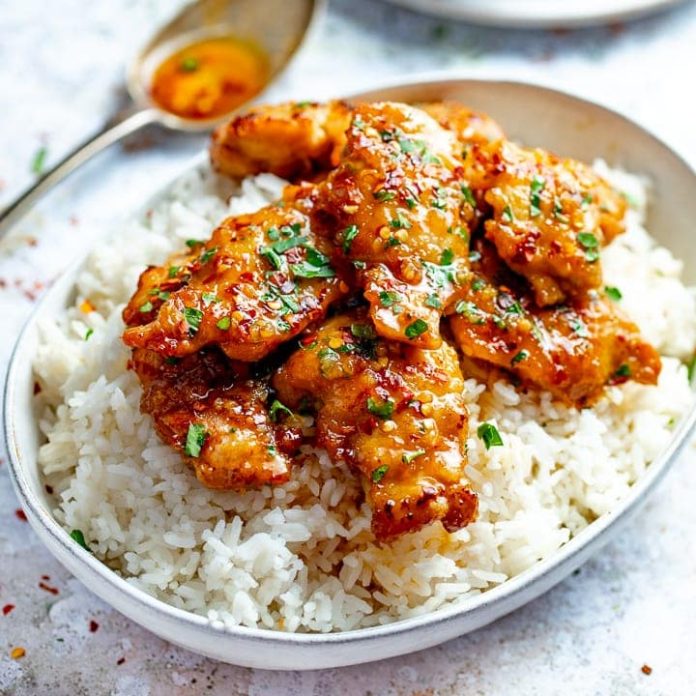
x=503, y=597
x=495, y=13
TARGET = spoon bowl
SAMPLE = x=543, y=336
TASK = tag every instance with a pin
x=277, y=27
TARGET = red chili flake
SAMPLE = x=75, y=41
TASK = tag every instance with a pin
x=45, y=577
x=48, y=588
x=646, y=669
x=37, y=388
x=93, y=626
x=307, y=340
x=18, y=652
x=3, y=283
x=32, y=241
x=19, y=514
x=120, y=660
x=7, y=609
x=48, y=489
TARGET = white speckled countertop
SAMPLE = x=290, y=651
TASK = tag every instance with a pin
x=634, y=605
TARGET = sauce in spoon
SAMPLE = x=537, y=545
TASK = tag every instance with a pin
x=209, y=78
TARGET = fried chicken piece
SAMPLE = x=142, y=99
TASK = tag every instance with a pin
x=469, y=126
x=259, y=281
x=403, y=215
x=393, y=412
x=572, y=350
x=210, y=409
x=550, y=217
x=290, y=140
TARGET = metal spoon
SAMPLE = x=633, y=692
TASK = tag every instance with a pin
x=278, y=27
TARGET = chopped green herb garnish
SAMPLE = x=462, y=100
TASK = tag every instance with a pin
x=579, y=327
x=191, y=243
x=224, y=323
x=315, y=257
x=384, y=195
x=209, y=298
x=490, y=435
x=400, y=223
x=208, y=254
x=272, y=256
x=391, y=242
x=160, y=294
x=468, y=196
x=522, y=355
x=388, y=297
x=303, y=104
x=408, y=457
x=382, y=410
x=146, y=307
x=591, y=245
x=691, y=369
x=613, y=293
x=536, y=187
x=189, y=64
x=415, y=329
x=173, y=271
x=290, y=243
x=37, y=164
x=277, y=410
x=586, y=199
x=362, y=331
x=379, y=473
x=360, y=265
x=623, y=371
x=478, y=284
x=507, y=214
x=193, y=318
x=470, y=311
x=78, y=536
x=447, y=257
x=309, y=270
x=195, y=439
x=349, y=234
x=88, y=334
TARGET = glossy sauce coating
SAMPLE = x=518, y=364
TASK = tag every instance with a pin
x=572, y=350
x=394, y=412
x=211, y=410
x=209, y=78
x=255, y=284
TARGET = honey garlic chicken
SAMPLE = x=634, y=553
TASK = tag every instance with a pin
x=403, y=215
x=213, y=412
x=290, y=140
x=395, y=413
x=572, y=350
x=436, y=226
x=256, y=283
x=550, y=217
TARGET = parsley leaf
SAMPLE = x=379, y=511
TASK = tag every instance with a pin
x=195, y=439
x=490, y=435
x=415, y=329
x=193, y=318
x=379, y=473
x=382, y=410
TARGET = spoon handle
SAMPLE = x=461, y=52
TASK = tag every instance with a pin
x=126, y=123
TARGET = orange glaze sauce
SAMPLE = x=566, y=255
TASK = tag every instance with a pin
x=209, y=78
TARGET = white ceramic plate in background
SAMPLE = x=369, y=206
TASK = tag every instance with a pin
x=531, y=114
x=537, y=14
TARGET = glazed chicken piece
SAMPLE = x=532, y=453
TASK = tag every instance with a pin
x=550, y=217
x=572, y=350
x=393, y=412
x=402, y=214
x=468, y=126
x=211, y=410
x=259, y=281
x=292, y=140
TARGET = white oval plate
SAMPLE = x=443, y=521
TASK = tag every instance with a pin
x=532, y=114
x=531, y=14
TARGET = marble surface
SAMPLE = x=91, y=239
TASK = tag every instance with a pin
x=63, y=63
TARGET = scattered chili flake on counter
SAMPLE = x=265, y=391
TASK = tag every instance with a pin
x=93, y=626
x=17, y=653
x=120, y=660
x=646, y=669
x=20, y=515
x=47, y=588
x=7, y=609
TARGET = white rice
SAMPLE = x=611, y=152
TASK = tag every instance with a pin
x=301, y=557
